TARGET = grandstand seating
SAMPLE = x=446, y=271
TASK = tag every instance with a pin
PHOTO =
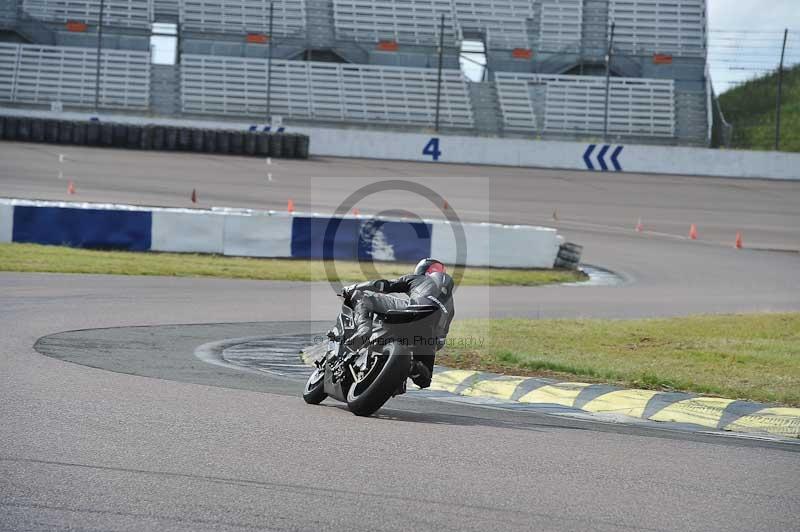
x=660, y=26
x=576, y=104
x=243, y=16
x=502, y=21
x=560, y=25
x=44, y=74
x=323, y=91
x=403, y=21
x=120, y=13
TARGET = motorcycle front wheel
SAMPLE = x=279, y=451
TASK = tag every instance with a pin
x=314, y=392
x=387, y=372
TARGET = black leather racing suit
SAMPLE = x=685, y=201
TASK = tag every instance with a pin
x=376, y=296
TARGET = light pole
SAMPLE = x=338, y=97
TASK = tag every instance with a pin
x=99, y=52
x=608, y=81
x=439, y=78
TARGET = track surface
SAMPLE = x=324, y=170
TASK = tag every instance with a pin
x=91, y=449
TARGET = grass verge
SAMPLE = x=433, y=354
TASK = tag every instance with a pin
x=752, y=357
x=56, y=259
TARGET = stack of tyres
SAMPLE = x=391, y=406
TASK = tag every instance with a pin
x=79, y=133
x=51, y=131
x=289, y=145
x=237, y=142
x=170, y=138
x=209, y=141
x=250, y=142
x=302, y=146
x=65, y=128
x=134, y=137
x=93, y=133
x=569, y=256
x=24, y=132
x=10, y=128
x=262, y=144
x=157, y=140
x=197, y=140
x=157, y=137
x=223, y=141
x=276, y=145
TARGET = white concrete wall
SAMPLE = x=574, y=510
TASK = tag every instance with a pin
x=187, y=232
x=375, y=144
x=6, y=222
x=258, y=236
x=497, y=245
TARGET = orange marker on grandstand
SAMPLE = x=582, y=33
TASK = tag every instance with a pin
x=693, y=232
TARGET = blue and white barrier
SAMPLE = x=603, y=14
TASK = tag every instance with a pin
x=248, y=233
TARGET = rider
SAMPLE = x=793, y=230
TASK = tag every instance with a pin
x=428, y=285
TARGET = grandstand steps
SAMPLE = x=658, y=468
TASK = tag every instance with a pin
x=485, y=107
x=165, y=89
x=320, y=23
x=34, y=31
x=595, y=30
x=166, y=11
x=8, y=14
x=691, y=117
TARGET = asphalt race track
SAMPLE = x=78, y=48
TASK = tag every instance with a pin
x=92, y=449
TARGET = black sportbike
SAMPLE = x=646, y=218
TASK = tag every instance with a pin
x=368, y=377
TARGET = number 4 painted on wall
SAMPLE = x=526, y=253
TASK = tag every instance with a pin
x=432, y=149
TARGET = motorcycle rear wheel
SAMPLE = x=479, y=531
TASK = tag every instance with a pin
x=314, y=392
x=367, y=396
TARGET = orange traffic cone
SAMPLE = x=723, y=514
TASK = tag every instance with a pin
x=446, y=205
x=194, y=195
x=71, y=188
x=290, y=206
x=356, y=212
x=693, y=232
x=738, y=241
x=639, y=226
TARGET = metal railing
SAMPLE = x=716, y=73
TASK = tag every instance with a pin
x=242, y=16
x=44, y=74
x=575, y=105
x=121, y=13
x=323, y=91
x=660, y=26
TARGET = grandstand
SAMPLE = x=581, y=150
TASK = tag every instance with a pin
x=373, y=63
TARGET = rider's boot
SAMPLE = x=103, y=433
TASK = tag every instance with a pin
x=363, y=322
x=420, y=374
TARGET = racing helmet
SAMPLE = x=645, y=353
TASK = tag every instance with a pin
x=429, y=266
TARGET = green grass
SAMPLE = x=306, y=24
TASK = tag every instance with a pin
x=753, y=357
x=56, y=259
x=750, y=108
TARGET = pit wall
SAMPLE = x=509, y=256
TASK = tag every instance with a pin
x=273, y=234
x=591, y=156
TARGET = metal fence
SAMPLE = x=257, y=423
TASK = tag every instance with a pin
x=121, y=13
x=44, y=74
x=323, y=91
x=576, y=104
x=243, y=16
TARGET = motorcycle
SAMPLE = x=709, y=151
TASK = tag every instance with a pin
x=368, y=377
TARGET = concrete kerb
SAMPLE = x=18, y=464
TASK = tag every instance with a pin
x=707, y=412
